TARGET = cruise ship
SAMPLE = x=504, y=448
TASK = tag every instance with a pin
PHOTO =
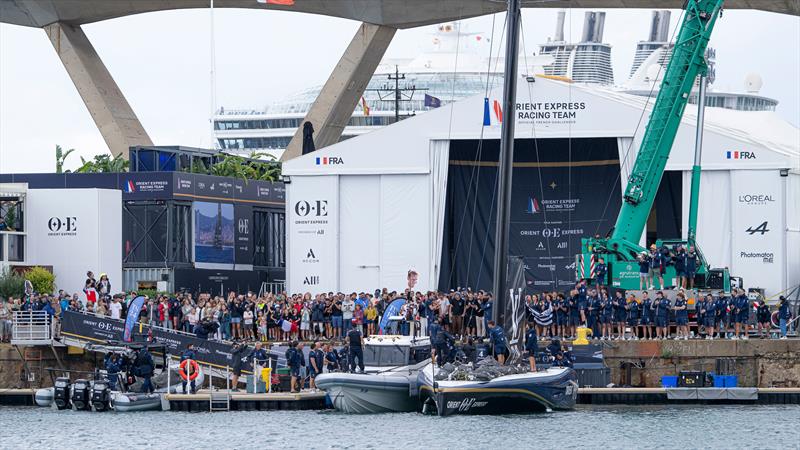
x=652, y=56
x=457, y=65
x=587, y=61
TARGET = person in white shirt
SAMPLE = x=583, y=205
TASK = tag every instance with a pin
x=348, y=306
x=115, y=308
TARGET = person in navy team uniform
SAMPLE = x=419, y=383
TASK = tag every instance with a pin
x=582, y=302
x=710, y=318
x=593, y=309
x=531, y=345
x=438, y=343
x=784, y=315
x=632, y=308
x=743, y=319
x=113, y=368
x=700, y=315
x=498, y=339
x=144, y=367
x=560, y=307
x=620, y=313
x=486, y=307
x=316, y=359
x=188, y=354
x=606, y=315
x=662, y=307
x=600, y=271
x=355, y=343
x=295, y=360
x=681, y=317
x=574, y=313
x=691, y=266
x=646, y=314
x=680, y=266
x=764, y=317
x=331, y=360
x=722, y=307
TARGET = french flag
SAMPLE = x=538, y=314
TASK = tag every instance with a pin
x=498, y=111
x=129, y=187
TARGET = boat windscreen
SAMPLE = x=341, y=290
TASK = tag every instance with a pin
x=383, y=355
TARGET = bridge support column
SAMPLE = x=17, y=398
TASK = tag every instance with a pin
x=110, y=110
x=339, y=96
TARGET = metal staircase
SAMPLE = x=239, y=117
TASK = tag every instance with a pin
x=220, y=400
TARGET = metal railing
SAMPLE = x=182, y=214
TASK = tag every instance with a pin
x=31, y=327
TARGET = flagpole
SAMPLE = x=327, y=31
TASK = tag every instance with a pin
x=505, y=165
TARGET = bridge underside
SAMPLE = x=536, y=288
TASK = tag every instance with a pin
x=121, y=128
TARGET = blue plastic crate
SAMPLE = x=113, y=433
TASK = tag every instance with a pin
x=719, y=381
x=731, y=381
x=669, y=381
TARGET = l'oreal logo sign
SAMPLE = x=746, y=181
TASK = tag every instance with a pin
x=329, y=161
x=756, y=199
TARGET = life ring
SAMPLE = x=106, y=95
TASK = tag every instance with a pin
x=193, y=371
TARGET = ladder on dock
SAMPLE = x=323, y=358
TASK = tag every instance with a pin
x=220, y=400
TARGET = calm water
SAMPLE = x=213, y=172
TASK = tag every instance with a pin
x=725, y=427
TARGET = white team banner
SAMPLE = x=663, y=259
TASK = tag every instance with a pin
x=313, y=228
x=757, y=227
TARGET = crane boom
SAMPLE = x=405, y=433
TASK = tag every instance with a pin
x=687, y=61
x=621, y=249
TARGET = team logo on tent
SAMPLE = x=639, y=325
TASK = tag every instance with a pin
x=739, y=155
x=129, y=187
x=533, y=206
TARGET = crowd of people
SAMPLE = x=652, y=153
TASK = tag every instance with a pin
x=461, y=312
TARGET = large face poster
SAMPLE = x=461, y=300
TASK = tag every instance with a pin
x=562, y=190
x=213, y=235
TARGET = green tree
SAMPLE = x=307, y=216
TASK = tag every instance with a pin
x=61, y=156
x=104, y=164
x=11, y=284
x=43, y=281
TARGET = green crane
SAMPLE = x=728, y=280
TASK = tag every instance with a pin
x=620, y=250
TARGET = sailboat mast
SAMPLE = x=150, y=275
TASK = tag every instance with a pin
x=506, y=162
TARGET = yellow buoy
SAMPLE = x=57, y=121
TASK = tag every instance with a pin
x=581, y=339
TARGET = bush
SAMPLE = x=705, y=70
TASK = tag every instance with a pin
x=11, y=284
x=42, y=280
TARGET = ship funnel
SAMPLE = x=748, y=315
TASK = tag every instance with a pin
x=593, y=23
x=559, y=36
x=659, y=26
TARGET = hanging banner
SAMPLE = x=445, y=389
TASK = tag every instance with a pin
x=312, y=234
x=134, y=308
x=243, y=236
x=757, y=227
x=562, y=191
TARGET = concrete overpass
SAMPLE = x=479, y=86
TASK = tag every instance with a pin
x=121, y=129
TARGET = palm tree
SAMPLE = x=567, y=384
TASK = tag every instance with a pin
x=61, y=156
x=104, y=164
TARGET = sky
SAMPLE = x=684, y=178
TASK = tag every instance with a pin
x=162, y=63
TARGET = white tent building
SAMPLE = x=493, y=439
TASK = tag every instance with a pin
x=362, y=212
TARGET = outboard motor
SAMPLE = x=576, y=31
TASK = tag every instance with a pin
x=61, y=394
x=101, y=396
x=81, y=395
